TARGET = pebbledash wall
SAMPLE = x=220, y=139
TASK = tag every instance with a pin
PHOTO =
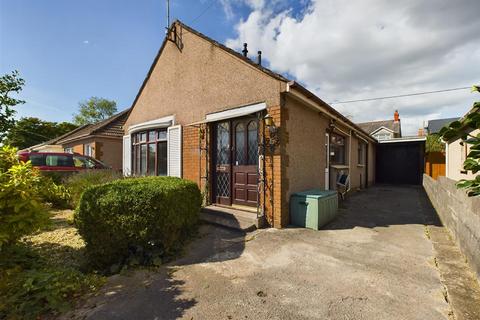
x=459, y=213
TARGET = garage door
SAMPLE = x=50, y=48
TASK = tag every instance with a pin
x=400, y=162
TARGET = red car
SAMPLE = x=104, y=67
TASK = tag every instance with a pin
x=53, y=161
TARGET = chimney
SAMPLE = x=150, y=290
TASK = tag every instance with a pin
x=396, y=116
x=245, y=50
x=259, y=60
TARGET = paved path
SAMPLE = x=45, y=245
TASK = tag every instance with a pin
x=375, y=261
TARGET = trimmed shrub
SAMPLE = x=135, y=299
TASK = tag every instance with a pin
x=77, y=183
x=137, y=221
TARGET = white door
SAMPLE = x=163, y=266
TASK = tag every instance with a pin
x=327, y=161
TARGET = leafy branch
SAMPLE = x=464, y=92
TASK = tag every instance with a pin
x=9, y=83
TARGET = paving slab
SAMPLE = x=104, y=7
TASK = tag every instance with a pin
x=375, y=261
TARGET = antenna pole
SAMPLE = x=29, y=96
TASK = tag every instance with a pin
x=168, y=14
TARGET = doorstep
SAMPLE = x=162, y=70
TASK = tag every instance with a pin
x=232, y=218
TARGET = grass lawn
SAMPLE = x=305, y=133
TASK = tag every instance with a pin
x=45, y=274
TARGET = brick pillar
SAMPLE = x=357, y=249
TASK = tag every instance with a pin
x=276, y=210
x=191, y=154
x=194, y=156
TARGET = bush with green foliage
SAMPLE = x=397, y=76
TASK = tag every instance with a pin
x=137, y=221
x=79, y=182
x=57, y=195
x=434, y=143
x=31, y=287
x=21, y=208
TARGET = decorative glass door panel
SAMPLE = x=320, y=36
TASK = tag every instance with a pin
x=236, y=162
x=222, y=163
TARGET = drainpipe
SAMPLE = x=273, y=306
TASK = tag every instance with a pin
x=366, y=166
x=350, y=171
x=264, y=205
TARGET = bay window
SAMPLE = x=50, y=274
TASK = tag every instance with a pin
x=149, y=152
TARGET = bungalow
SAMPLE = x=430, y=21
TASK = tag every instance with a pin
x=101, y=140
x=248, y=136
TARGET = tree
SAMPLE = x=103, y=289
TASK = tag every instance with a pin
x=434, y=143
x=94, y=110
x=30, y=131
x=463, y=129
x=9, y=83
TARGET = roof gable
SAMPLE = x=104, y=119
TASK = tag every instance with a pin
x=112, y=126
x=373, y=126
x=171, y=36
x=380, y=129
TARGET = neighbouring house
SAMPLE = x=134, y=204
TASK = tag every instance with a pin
x=435, y=162
x=384, y=129
x=101, y=140
x=247, y=136
x=434, y=126
x=399, y=159
x=44, y=147
x=456, y=153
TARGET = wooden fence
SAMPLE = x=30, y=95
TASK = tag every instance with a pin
x=435, y=164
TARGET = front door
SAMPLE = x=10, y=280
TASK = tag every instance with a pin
x=245, y=162
x=236, y=162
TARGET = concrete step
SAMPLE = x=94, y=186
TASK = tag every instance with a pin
x=231, y=218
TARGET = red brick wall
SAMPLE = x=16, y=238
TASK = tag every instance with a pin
x=194, y=166
x=195, y=162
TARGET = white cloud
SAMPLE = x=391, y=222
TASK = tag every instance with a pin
x=86, y=42
x=345, y=50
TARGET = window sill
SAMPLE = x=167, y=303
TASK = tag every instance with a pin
x=339, y=166
x=361, y=165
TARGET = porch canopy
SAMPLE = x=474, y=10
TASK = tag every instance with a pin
x=232, y=113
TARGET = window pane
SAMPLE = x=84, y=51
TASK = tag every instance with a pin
x=361, y=153
x=79, y=162
x=252, y=143
x=152, y=135
x=162, y=134
x=223, y=143
x=59, y=161
x=337, y=149
x=37, y=159
x=137, y=160
x=240, y=157
x=162, y=159
x=143, y=136
x=143, y=159
x=151, y=159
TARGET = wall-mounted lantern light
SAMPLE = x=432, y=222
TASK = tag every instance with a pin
x=273, y=139
x=268, y=119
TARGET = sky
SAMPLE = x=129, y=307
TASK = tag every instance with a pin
x=68, y=51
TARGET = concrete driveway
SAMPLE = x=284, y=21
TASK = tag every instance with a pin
x=374, y=262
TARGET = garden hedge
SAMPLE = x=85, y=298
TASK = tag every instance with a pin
x=147, y=218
